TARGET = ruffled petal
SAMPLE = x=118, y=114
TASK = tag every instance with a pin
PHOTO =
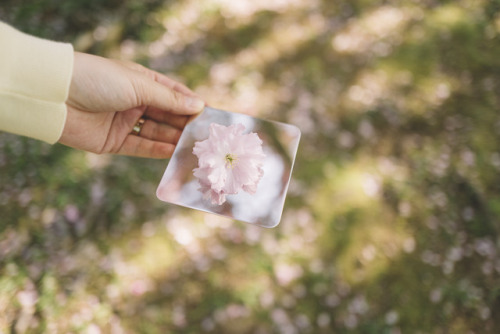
x=228, y=162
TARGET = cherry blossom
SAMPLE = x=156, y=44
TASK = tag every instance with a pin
x=228, y=161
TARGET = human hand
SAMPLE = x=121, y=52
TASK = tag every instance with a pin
x=108, y=97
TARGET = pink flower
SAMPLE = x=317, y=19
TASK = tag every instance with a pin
x=228, y=162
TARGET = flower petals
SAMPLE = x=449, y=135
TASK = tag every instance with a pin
x=228, y=162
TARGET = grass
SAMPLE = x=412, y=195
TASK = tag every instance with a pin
x=392, y=220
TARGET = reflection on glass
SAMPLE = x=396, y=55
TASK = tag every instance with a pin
x=264, y=207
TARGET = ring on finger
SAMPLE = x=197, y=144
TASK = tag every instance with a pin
x=136, y=130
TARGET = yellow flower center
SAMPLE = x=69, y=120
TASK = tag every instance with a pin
x=231, y=159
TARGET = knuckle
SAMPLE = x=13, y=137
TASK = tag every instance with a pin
x=177, y=98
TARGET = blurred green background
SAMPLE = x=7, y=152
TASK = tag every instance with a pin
x=391, y=224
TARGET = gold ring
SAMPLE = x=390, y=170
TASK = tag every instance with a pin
x=136, y=131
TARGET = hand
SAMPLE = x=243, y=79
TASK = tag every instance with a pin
x=108, y=97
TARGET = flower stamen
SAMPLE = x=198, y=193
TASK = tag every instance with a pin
x=231, y=159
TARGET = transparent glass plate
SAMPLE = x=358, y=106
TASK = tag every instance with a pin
x=263, y=208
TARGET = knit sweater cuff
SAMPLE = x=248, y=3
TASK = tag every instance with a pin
x=35, y=76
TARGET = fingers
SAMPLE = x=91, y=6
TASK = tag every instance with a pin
x=152, y=93
x=162, y=79
x=160, y=132
x=146, y=148
x=177, y=121
x=156, y=141
x=157, y=90
x=177, y=86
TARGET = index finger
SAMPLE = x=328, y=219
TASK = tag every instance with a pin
x=177, y=121
x=152, y=93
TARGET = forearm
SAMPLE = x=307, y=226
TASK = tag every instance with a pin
x=35, y=76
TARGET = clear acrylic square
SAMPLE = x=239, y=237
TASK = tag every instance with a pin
x=263, y=208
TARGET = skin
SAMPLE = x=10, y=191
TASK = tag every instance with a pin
x=107, y=98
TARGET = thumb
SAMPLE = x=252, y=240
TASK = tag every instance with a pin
x=152, y=93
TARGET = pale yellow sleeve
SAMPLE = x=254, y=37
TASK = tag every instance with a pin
x=35, y=75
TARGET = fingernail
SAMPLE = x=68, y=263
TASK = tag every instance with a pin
x=194, y=104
